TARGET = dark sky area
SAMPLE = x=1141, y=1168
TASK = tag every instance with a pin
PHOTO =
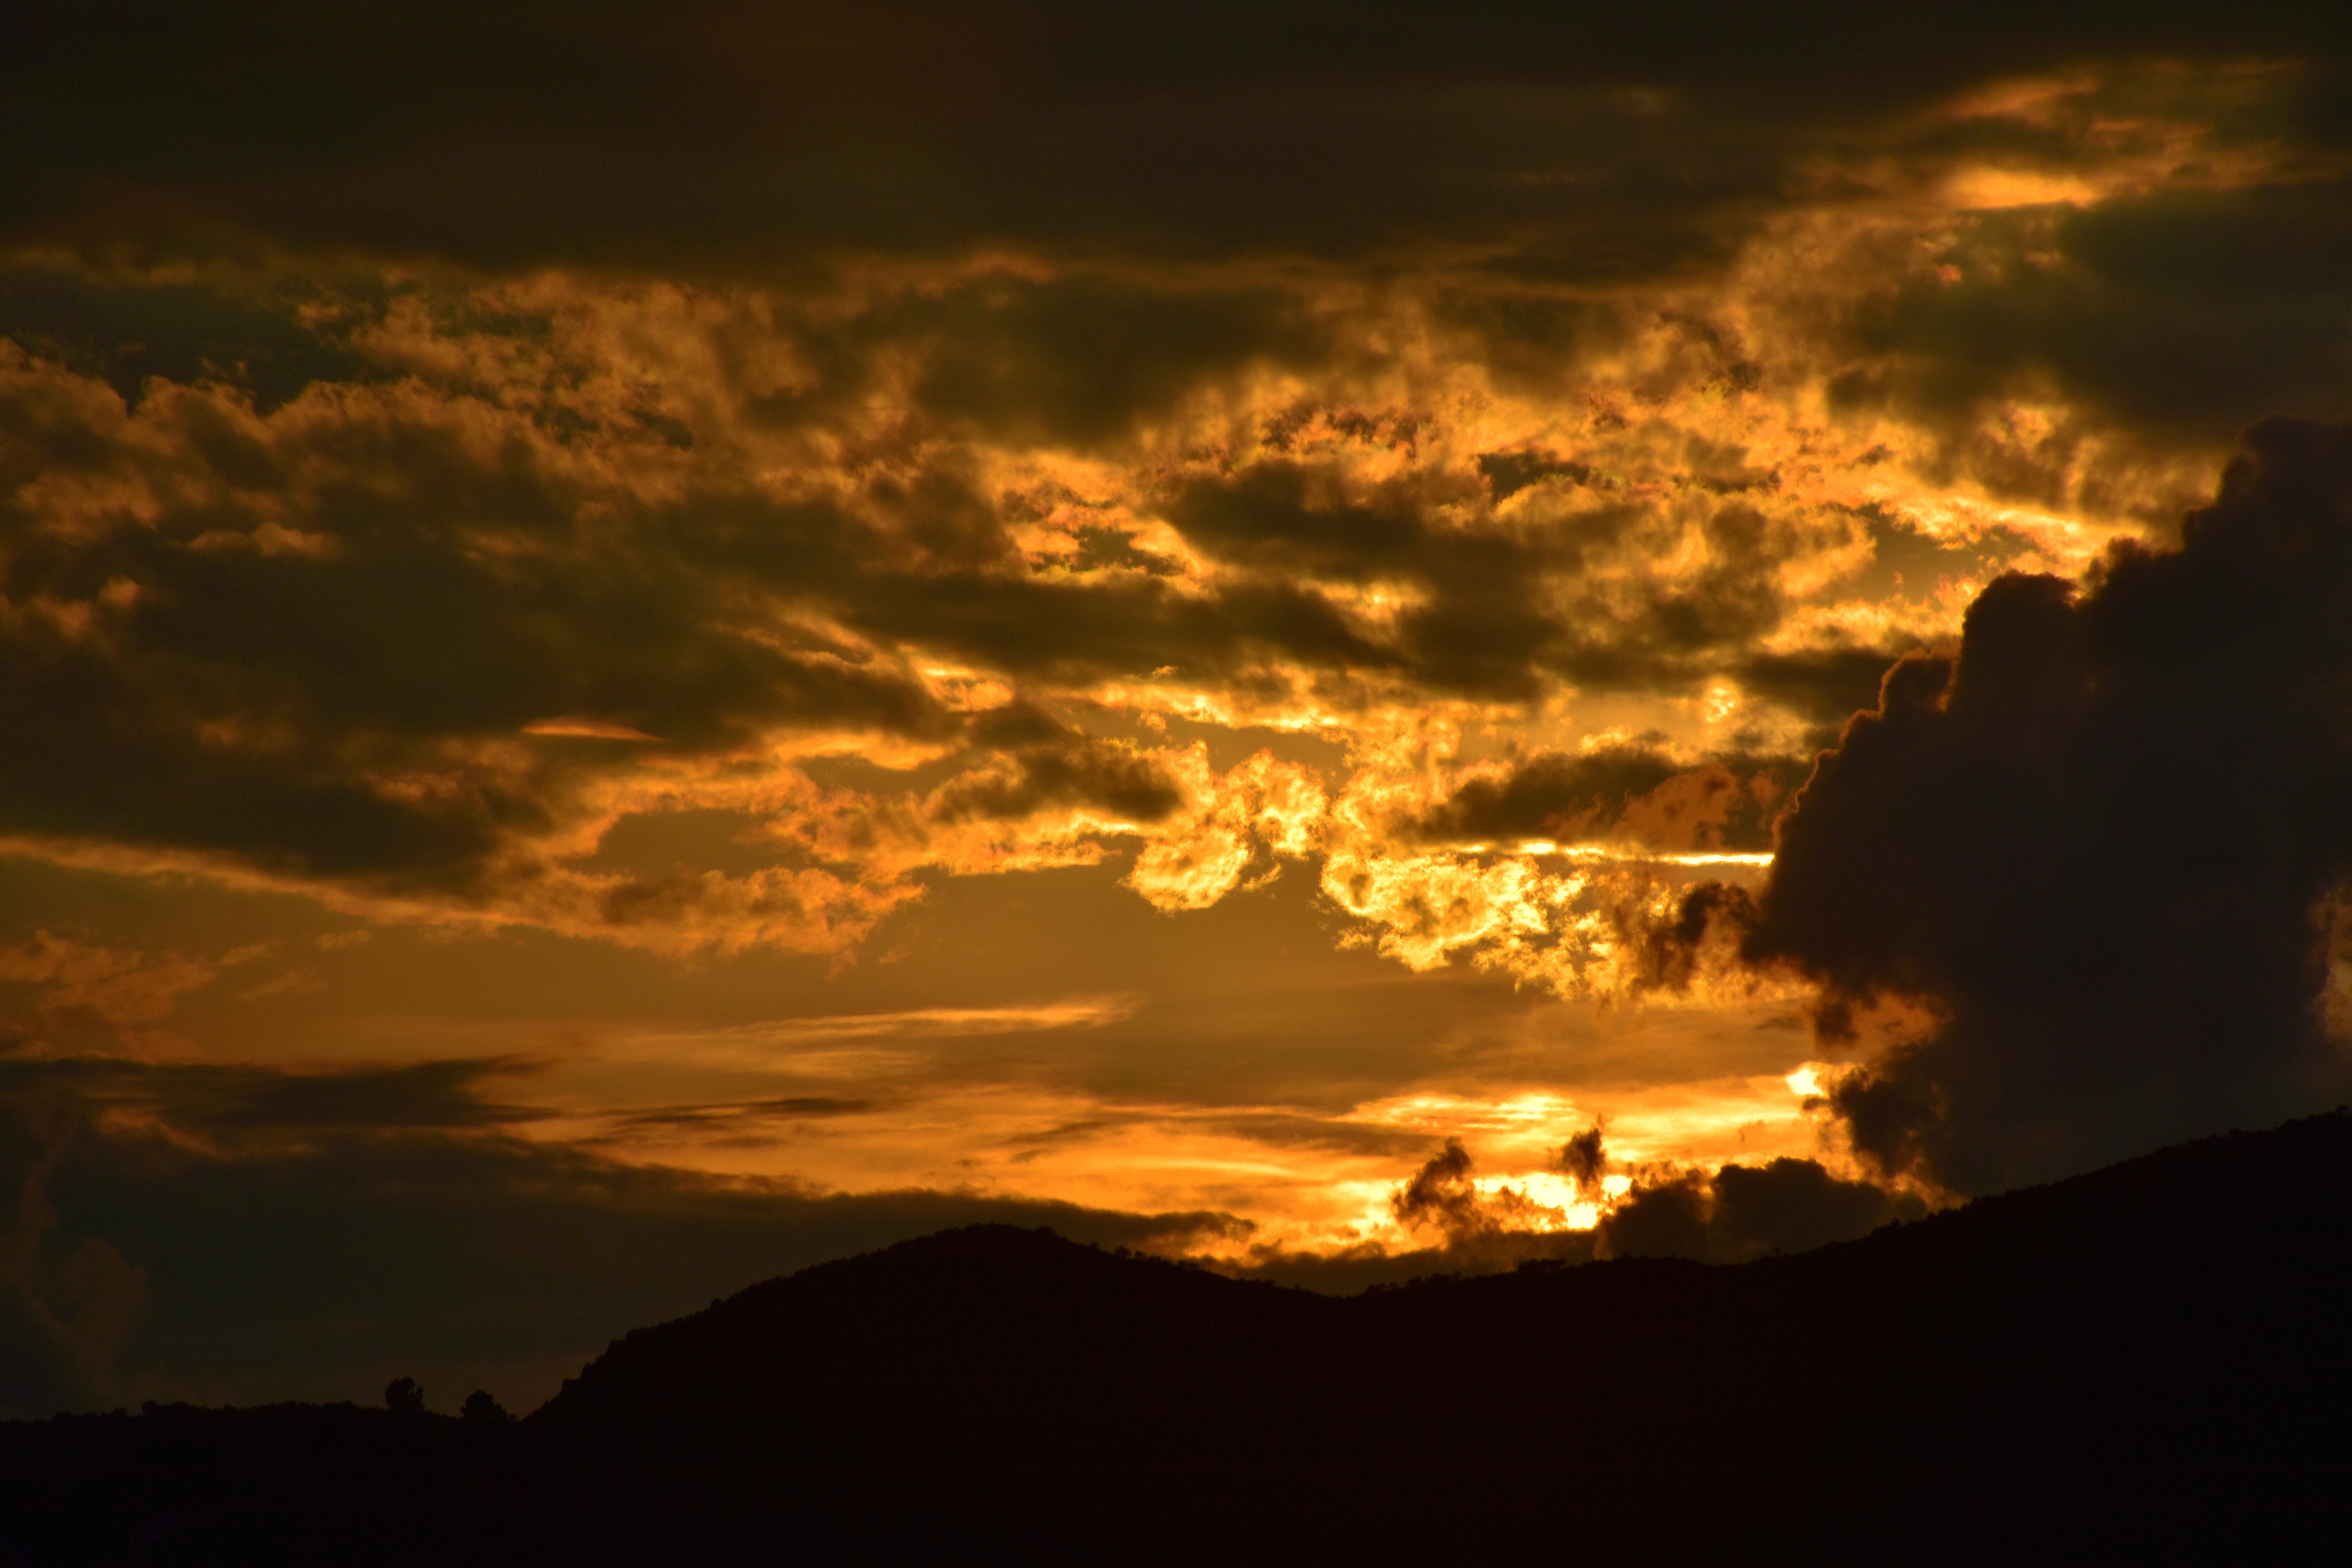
x=644, y=646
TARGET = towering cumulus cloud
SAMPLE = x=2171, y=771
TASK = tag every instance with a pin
x=2104, y=845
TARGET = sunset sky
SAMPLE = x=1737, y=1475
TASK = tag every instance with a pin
x=640, y=647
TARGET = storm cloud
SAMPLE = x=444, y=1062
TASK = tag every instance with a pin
x=2100, y=843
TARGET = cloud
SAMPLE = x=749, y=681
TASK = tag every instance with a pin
x=127, y=334
x=780, y=1042
x=264, y=644
x=417, y=581
x=1583, y=1160
x=87, y=993
x=2097, y=842
x=63, y=1320
x=2183, y=311
x=1734, y=1214
x=226, y=1107
x=430, y=1094
x=418, y=638
x=1456, y=1222
x=587, y=729
x=1827, y=685
x=1083, y=362
x=1631, y=791
x=1057, y=767
x=1663, y=1216
x=1739, y=1213
x=1790, y=1206
x=1564, y=581
x=1439, y=1194
x=1442, y=1197
x=719, y=140
x=742, y=1117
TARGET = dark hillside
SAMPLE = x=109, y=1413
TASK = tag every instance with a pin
x=2150, y=1354
x=981, y=1318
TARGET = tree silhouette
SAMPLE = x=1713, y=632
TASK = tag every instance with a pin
x=481, y=1410
x=403, y=1397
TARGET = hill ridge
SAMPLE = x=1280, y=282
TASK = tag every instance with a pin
x=2147, y=1352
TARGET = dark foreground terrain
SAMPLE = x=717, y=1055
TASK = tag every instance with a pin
x=2154, y=1354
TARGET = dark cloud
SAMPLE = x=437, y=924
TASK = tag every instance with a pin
x=1743, y=1212
x=722, y=132
x=1298, y=518
x=2097, y=842
x=1826, y=686
x=1056, y=766
x=1441, y=1197
x=1080, y=361
x=1662, y=1217
x=65, y=1315
x=744, y=1114
x=1483, y=628
x=1099, y=548
x=283, y=680
x=1791, y=1206
x=1459, y=1228
x=1669, y=954
x=319, y=626
x=124, y=332
x=1508, y=473
x=1583, y=1160
x=432, y=1094
x=1685, y=626
x=2184, y=313
x=1439, y=1194
x=1070, y=358
x=42, y=1367
x=233, y=1104
x=926, y=559
x=1627, y=791
x=1515, y=603
x=1552, y=794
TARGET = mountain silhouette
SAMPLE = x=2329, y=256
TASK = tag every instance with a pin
x=2151, y=1355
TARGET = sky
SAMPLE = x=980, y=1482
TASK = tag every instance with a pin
x=643, y=647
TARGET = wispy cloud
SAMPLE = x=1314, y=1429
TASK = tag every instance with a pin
x=847, y=1044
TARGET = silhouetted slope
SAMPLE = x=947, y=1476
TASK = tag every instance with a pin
x=979, y=1320
x=2129, y=1340
x=2149, y=1355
